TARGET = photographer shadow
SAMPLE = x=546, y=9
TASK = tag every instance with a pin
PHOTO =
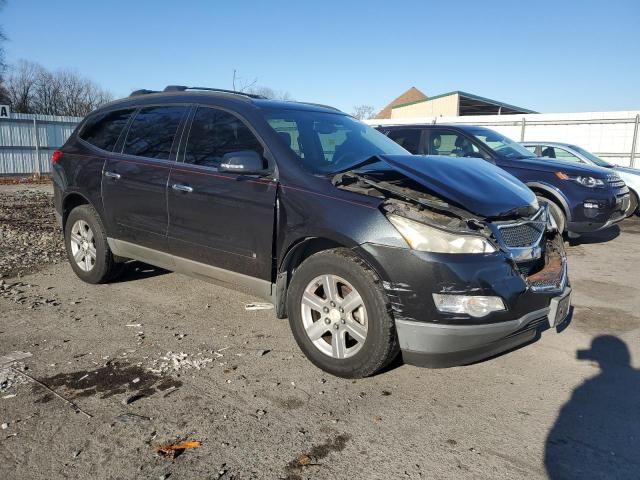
x=597, y=434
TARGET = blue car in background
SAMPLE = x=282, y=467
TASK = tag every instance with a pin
x=567, y=152
x=581, y=198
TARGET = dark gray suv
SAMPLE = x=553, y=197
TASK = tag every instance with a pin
x=368, y=250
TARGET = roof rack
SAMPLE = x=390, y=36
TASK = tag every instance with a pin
x=142, y=91
x=182, y=88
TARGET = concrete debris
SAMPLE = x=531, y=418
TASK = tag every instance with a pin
x=175, y=362
x=10, y=377
x=13, y=357
x=258, y=306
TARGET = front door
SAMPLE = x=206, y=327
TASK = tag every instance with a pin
x=222, y=224
x=134, y=182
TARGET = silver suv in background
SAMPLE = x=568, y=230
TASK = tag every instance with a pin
x=573, y=153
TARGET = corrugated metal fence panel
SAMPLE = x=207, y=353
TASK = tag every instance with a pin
x=18, y=141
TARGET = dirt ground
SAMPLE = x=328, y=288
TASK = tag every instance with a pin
x=159, y=358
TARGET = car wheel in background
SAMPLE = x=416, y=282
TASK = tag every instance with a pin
x=87, y=248
x=340, y=316
x=556, y=212
x=633, y=208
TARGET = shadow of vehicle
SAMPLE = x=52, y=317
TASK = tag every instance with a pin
x=597, y=432
x=135, y=270
x=601, y=236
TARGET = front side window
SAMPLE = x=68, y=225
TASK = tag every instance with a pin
x=408, y=138
x=559, y=154
x=215, y=133
x=103, y=130
x=531, y=148
x=500, y=144
x=452, y=144
x=153, y=130
x=329, y=142
x=597, y=160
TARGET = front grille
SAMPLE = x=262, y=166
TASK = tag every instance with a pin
x=546, y=283
x=522, y=234
x=530, y=267
x=615, y=181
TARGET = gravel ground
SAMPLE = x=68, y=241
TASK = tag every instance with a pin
x=29, y=235
x=158, y=358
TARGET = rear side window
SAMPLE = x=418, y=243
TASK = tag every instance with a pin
x=103, y=130
x=213, y=134
x=408, y=138
x=452, y=144
x=152, y=132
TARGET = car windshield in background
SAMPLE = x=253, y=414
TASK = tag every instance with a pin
x=329, y=142
x=500, y=144
x=597, y=160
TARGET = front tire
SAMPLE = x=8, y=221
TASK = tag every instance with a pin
x=340, y=316
x=556, y=212
x=87, y=248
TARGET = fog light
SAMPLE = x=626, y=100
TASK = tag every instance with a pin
x=473, y=305
x=591, y=205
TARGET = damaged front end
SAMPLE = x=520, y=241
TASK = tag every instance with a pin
x=485, y=270
x=526, y=235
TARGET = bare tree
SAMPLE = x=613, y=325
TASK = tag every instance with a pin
x=4, y=95
x=33, y=89
x=363, y=112
x=270, y=93
x=3, y=38
x=239, y=84
x=20, y=85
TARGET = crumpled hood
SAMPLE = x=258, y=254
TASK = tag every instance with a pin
x=474, y=184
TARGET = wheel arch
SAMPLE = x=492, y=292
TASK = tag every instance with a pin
x=71, y=201
x=552, y=193
x=297, y=253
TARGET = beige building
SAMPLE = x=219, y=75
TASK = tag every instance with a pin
x=414, y=103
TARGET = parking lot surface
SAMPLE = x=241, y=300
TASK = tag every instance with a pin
x=158, y=358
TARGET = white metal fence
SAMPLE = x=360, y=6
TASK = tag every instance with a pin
x=27, y=141
x=613, y=136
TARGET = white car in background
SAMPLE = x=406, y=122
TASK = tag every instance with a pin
x=572, y=153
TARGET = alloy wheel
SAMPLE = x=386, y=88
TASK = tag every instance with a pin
x=83, y=245
x=334, y=316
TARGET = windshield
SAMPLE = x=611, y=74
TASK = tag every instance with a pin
x=500, y=144
x=597, y=160
x=329, y=142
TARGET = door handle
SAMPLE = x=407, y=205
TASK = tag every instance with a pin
x=114, y=175
x=182, y=188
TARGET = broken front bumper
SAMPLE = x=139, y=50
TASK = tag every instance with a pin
x=431, y=338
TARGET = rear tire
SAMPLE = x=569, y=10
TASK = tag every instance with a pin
x=556, y=212
x=348, y=332
x=88, y=252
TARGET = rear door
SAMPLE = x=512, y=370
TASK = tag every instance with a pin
x=134, y=183
x=217, y=219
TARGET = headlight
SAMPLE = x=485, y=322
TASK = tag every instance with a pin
x=474, y=305
x=429, y=239
x=585, y=181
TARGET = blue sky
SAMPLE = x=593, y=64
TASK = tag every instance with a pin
x=550, y=56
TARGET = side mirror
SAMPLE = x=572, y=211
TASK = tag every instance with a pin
x=243, y=162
